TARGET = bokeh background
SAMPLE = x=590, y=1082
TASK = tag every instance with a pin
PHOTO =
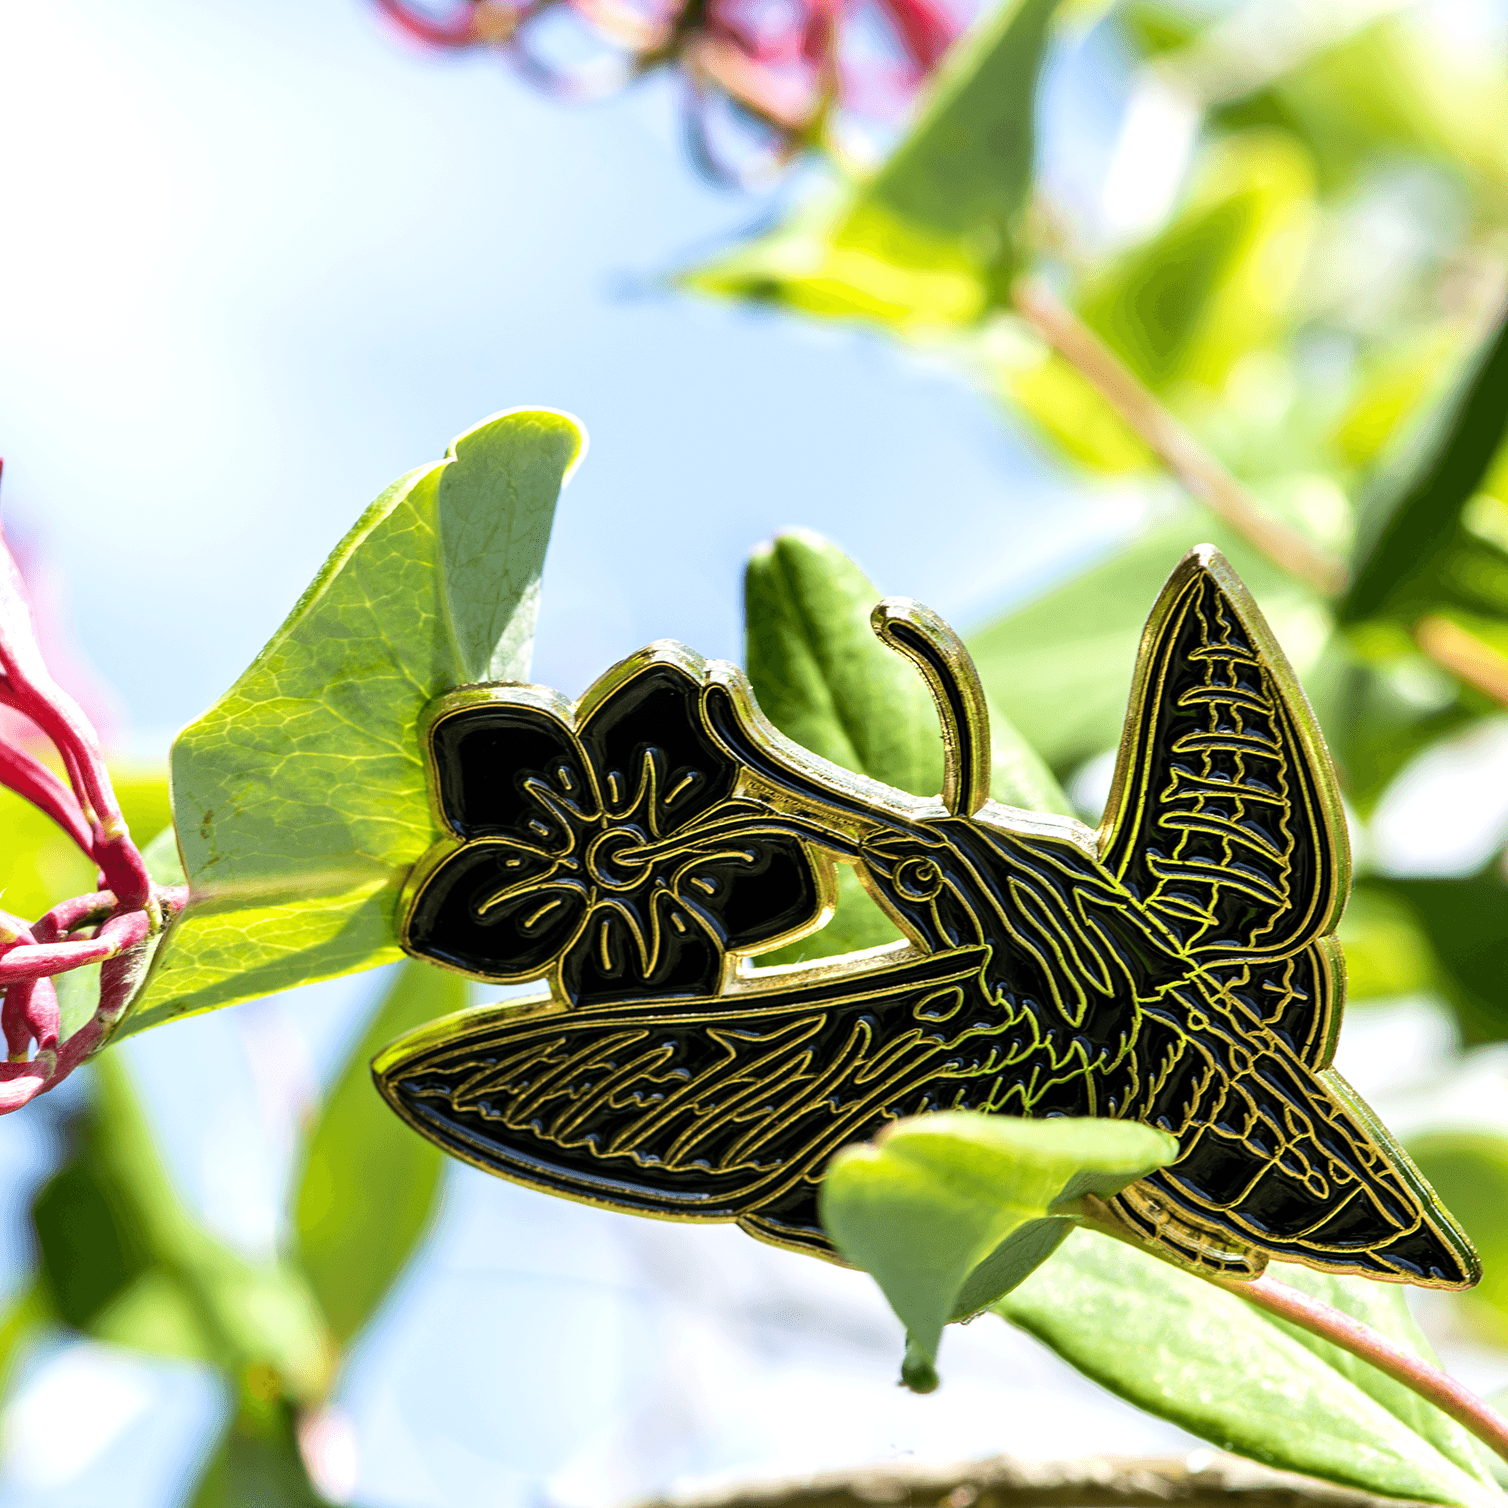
x=258, y=261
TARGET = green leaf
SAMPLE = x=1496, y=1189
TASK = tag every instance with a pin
x=949, y=1211
x=1465, y=921
x=1421, y=547
x=1060, y=666
x=824, y=679
x=1387, y=952
x=257, y=1462
x=1469, y=1171
x=299, y=797
x=1391, y=91
x=1208, y=1361
x=369, y=1186
x=122, y=1258
x=931, y=240
x=1218, y=281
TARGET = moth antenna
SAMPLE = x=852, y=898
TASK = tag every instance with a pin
x=948, y=668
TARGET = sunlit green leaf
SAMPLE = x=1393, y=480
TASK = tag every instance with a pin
x=369, y=1185
x=1206, y=1360
x=824, y=679
x=931, y=240
x=949, y=1211
x=299, y=796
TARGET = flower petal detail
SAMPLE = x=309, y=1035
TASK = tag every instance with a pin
x=658, y=948
x=756, y=891
x=497, y=910
x=647, y=744
x=493, y=764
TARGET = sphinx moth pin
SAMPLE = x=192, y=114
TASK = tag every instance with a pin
x=1177, y=966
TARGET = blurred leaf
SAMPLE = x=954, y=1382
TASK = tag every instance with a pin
x=1060, y=666
x=1064, y=406
x=1386, y=952
x=122, y=1259
x=25, y=1314
x=949, y=1211
x=1391, y=88
x=1213, y=1364
x=1469, y=1171
x=930, y=240
x=1466, y=923
x=1218, y=282
x=93, y=1239
x=1419, y=549
x=1390, y=391
x=1383, y=709
x=162, y=859
x=824, y=679
x=257, y=1463
x=369, y=1186
x=144, y=800
x=1156, y=29
x=300, y=796
x=155, y=1313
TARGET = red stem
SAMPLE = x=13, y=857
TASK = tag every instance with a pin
x=26, y=685
x=30, y=779
x=1387, y=1356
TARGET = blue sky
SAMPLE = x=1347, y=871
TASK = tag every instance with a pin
x=259, y=260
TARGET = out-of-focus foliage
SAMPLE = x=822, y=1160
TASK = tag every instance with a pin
x=933, y=239
x=1317, y=305
x=368, y=1184
x=122, y=1259
x=1469, y=1170
x=39, y=866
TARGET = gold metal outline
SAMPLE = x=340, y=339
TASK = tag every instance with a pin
x=849, y=806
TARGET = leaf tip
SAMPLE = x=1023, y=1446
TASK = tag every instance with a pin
x=917, y=1371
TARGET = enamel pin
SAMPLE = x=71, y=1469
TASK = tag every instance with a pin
x=1178, y=966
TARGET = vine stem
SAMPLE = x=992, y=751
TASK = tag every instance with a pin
x=1171, y=443
x=1330, y=1324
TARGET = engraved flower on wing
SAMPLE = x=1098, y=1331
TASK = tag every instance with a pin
x=614, y=851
